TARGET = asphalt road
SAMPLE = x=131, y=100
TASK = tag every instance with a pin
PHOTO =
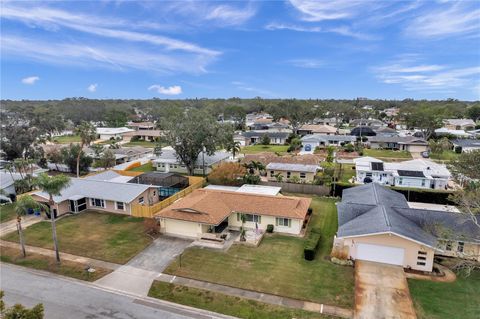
x=66, y=298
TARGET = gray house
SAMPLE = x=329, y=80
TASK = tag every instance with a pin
x=402, y=143
x=168, y=161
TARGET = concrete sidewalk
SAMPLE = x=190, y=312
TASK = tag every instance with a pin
x=11, y=225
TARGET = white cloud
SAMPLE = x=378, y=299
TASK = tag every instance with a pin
x=258, y=91
x=459, y=18
x=431, y=78
x=313, y=10
x=30, y=80
x=92, y=87
x=342, y=30
x=171, y=90
x=307, y=63
x=285, y=26
x=231, y=15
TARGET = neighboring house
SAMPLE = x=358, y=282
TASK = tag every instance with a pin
x=101, y=193
x=459, y=124
x=363, y=131
x=140, y=126
x=249, y=189
x=447, y=131
x=124, y=154
x=146, y=135
x=309, y=129
x=207, y=211
x=466, y=145
x=240, y=139
x=310, y=142
x=392, y=111
x=7, y=184
x=108, y=133
x=402, y=143
x=277, y=137
x=305, y=173
x=332, y=121
x=417, y=173
x=268, y=157
x=377, y=224
x=386, y=131
x=169, y=162
x=373, y=123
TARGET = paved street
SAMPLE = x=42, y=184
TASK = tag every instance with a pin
x=65, y=298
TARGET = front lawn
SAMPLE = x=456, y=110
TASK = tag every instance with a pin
x=148, y=167
x=387, y=153
x=345, y=172
x=147, y=144
x=103, y=236
x=47, y=263
x=66, y=139
x=252, y=149
x=438, y=300
x=7, y=212
x=277, y=265
x=228, y=305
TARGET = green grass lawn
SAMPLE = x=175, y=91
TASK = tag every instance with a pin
x=140, y=143
x=66, y=139
x=437, y=300
x=233, y=306
x=104, y=236
x=444, y=156
x=7, y=212
x=252, y=149
x=387, y=153
x=148, y=167
x=345, y=172
x=277, y=265
x=41, y=262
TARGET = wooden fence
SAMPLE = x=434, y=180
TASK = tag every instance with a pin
x=128, y=173
x=149, y=211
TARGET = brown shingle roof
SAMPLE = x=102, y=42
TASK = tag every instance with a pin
x=318, y=128
x=211, y=207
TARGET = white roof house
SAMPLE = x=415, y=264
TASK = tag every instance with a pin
x=447, y=131
x=293, y=167
x=107, y=133
x=417, y=173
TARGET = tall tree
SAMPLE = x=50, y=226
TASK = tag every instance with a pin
x=53, y=186
x=474, y=112
x=423, y=117
x=233, y=147
x=22, y=207
x=107, y=159
x=19, y=141
x=88, y=134
x=76, y=159
x=116, y=118
x=295, y=111
x=192, y=131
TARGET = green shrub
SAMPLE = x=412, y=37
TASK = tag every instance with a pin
x=311, y=244
x=458, y=149
x=269, y=228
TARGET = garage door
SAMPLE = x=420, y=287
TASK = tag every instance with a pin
x=381, y=254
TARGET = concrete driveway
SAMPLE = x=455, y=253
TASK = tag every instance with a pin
x=137, y=275
x=381, y=291
x=159, y=254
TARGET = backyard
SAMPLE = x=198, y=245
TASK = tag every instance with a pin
x=66, y=139
x=7, y=212
x=277, y=265
x=147, y=144
x=104, y=236
x=387, y=153
x=252, y=149
x=437, y=300
x=148, y=167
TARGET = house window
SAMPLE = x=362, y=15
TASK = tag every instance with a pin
x=154, y=193
x=448, y=246
x=368, y=174
x=120, y=205
x=253, y=218
x=422, y=252
x=95, y=202
x=400, y=181
x=140, y=200
x=421, y=263
x=272, y=173
x=286, y=222
x=460, y=246
x=302, y=175
x=423, y=183
x=288, y=174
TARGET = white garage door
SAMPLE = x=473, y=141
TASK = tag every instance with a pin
x=381, y=254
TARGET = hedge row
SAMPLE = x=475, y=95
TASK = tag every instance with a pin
x=311, y=244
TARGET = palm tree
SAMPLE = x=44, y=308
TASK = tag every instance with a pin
x=234, y=147
x=88, y=134
x=53, y=186
x=22, y=206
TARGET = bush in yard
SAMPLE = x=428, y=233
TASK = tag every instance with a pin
x=458, y=149
x=230, y=174
x=265, y=140
x=269, y=228
x=311, y=244
x=349, y=148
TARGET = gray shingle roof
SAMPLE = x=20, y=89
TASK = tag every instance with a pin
x=170, y=156
x=371, y=208
x=292, y=167
x=397, y=139
x=270, y=134
x=466, y=143
x=324, y=138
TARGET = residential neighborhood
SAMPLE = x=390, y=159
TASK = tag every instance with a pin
x=240, y=159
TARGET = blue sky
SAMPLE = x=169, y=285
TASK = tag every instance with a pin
x=272, y=49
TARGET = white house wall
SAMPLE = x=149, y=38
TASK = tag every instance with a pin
x=295, y=228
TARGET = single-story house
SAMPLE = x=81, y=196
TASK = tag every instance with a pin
x=386, y=131
x=373, y=123
x=305, y=173
x=168, y=161
x=124, y=154
x=212, y=211
x=277, y=137
x=377, y=224
x=402, y=143
x=363, y=131
x=447, y=131
x=309, y=129
x=146, y=135
x=466, y=145
x=109, y=133
x=327, y=121
x=417, y=173
x=248, y=188
x=107, y=192
x=459, y=124
x=139, y=126
x=7, y=184
x=310, y=142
